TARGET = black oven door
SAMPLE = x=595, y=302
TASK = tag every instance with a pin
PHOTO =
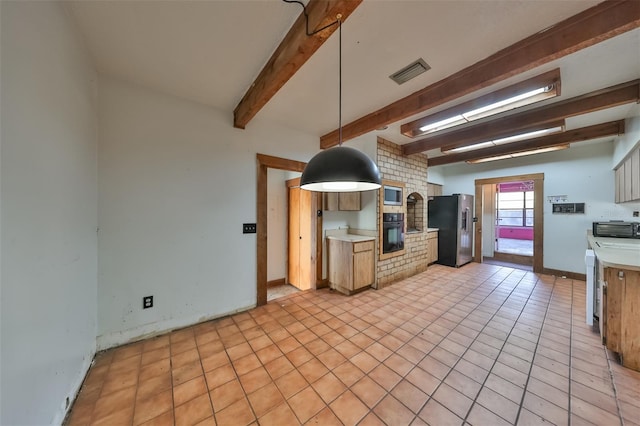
x=392, y=236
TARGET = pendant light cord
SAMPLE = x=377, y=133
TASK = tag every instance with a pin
x=304, y=10
x=339, y=22
x=340, y=80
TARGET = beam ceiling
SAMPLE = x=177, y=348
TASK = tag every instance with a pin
x=577, y=135
x=500, y=127
x=294, y=50
x=596, y=24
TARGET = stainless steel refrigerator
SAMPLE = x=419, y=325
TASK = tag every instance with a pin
x=453, y=216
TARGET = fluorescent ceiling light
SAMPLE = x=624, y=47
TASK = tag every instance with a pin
x=443, y=124
x=497, y=105
x=494, y=108
x=519, y=154
x=502, y=141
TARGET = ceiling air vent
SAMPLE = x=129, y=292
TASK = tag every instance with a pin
x=412, y=70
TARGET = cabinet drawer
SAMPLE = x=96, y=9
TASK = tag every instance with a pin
x=362, y=246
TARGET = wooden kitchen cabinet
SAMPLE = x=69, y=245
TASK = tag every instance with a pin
x=345, y=201
x=351, y=264
x=627, y=178
x=432, y=246
x=621, y=315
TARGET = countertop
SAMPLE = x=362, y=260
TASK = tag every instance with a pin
x=353, y=238
x=433, y=229
x=616, y=252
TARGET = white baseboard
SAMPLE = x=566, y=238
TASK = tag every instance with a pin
x=117, y=338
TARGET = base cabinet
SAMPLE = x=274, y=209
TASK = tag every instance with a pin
x=351, y=265
x=621, y=315
x=432, y=246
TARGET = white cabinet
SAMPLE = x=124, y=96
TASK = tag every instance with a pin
x=627, y=177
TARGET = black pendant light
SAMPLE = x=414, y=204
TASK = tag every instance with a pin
x=340, y=169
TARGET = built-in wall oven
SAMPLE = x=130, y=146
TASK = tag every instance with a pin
x=392, y=232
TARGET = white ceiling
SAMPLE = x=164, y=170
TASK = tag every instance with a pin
x=211, y=51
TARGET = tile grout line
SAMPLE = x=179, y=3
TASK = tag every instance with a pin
x=286, y=402
x=536, y=349
x=570, y=359
x=474, y=339
x=388, y=392
x=171, y=370
x=613, y=385
x=469, y=292
x=502, y=347
x=204, y=376
x=135, y=396
x=460, y=298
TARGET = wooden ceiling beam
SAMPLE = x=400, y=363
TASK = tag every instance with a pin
x=570, y=136
x=598, y=23
x=294, y=50
x=502, y=127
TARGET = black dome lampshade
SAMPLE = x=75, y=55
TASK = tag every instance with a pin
x=340, y=169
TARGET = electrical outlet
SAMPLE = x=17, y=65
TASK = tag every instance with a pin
x=147, y=302
x=248, y=228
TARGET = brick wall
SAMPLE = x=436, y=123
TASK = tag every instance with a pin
x=412, y=170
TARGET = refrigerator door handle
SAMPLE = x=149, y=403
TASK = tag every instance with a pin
x=465, y=215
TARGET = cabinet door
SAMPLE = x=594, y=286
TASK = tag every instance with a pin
x=334, y=201
x=432, y=249
x=630, y=344
x=349, y=201
x=362, y=269
x=613, y=308
x=627, y=180
x=330, y=201
x=619, y=173
x=635, y=175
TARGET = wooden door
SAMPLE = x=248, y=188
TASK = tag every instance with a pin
x=293, y=264
x=301, y=272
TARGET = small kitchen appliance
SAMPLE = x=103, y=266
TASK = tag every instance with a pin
x=616, y=229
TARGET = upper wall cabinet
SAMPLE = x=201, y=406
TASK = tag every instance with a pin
x=627, y=177
x=334, y=201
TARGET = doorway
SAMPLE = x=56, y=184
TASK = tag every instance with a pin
x=266, y=162
x=514, y=222
x=510, y=229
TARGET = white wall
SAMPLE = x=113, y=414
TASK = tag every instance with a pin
x=49, y=212
x=583, y=173
x=176, y=182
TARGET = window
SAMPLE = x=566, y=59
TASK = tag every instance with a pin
x=514, y=208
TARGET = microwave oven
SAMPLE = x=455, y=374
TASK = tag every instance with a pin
x=616, y=229
x=393, y=195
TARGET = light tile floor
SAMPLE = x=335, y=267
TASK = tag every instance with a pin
x=514, y=246
x=279, y=291
x=481, y=345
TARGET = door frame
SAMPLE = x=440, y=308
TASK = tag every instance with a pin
x=266, y=162
x=538, y=222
